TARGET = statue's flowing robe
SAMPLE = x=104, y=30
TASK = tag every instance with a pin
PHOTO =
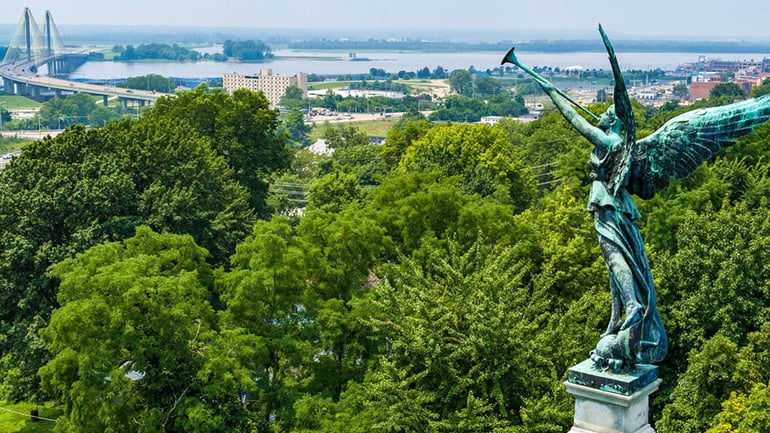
x=641, y=339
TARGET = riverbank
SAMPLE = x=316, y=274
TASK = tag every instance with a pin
x=290, y=62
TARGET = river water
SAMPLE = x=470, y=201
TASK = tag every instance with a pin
x=289, y=62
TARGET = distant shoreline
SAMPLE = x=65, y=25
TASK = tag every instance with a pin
x=561, y=46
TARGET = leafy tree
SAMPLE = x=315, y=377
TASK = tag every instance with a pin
x=461, y=82
x=242, y=128
x=481, y=155
x=362, y=161
x=298, y=130
x=247, y=51
x=762, y=89
x=342, y=136
x=715, y=282
x=744, y=413
x=341, y=251
x=601, y=95
x=504, y=105
x=131, y=340
x=459, y=108
x=263, y=296
x=333, y=191
x=74, y=109
x=709, y=376
x=728, y=90
x=439, y=73
x=441, y=371
x=101, y=115
x=400, y=137
x=681, y=91
x=84, y=187
x=487, y=86
x=150, y=82
x=294, y=92
x=157, y=51
x=294, y=98
x=529, y=88
x=746, y=410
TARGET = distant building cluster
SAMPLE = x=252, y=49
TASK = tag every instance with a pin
x=707, y=74
x=273, y=86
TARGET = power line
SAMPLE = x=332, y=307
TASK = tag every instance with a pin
x=545, y=165
x=550, y=181
x=26, y=415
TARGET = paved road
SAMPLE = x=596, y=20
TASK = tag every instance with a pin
x=32, y=135
x=20, y=71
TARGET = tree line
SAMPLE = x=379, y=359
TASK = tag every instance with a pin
x=157, y=274
x=543, y=45
x=155, y=51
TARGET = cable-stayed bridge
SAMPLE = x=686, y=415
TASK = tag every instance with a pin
x=37, y=64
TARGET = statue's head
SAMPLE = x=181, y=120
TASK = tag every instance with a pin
x=608, y=119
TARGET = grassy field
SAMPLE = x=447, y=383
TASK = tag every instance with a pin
x=437, y=87
x=14, y=418
x=12, y=102
x=369, y=127
x=328, y=85
x=10, y=144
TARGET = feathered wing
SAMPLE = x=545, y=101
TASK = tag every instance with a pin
x=684, y=142
x=623, y=110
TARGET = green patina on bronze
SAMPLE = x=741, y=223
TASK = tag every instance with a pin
x=620, y=166
x=627, y=382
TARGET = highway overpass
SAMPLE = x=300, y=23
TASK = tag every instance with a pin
x=22, y=78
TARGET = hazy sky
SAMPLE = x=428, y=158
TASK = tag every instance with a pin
x=705, y=18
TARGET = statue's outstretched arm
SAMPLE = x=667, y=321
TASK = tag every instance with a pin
x=596, y=136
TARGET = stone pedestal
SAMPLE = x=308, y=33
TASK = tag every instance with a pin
x=607, y=402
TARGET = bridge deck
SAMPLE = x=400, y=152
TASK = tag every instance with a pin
x=21, y=72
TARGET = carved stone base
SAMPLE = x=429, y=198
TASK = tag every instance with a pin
x=600, y=408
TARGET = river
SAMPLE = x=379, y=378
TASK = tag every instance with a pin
x=289, y=62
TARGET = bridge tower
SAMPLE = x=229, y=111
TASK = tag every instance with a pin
x=54, y=43
x=29, y=42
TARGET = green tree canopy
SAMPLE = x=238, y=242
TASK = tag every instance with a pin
x=132, y=341
x=241, y=128
x=461, y=82
x=246, y=51
x=66, y=194
x=480, y=155
x=729, y=90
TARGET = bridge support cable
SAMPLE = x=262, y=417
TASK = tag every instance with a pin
x=29, y=42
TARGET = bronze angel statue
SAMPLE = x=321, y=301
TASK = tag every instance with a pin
x=621, y=166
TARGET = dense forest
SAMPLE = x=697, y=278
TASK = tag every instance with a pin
x=157, y=276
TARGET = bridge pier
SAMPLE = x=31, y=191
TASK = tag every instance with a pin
x=104, y=100
x=124, y=103
x=8, y=86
